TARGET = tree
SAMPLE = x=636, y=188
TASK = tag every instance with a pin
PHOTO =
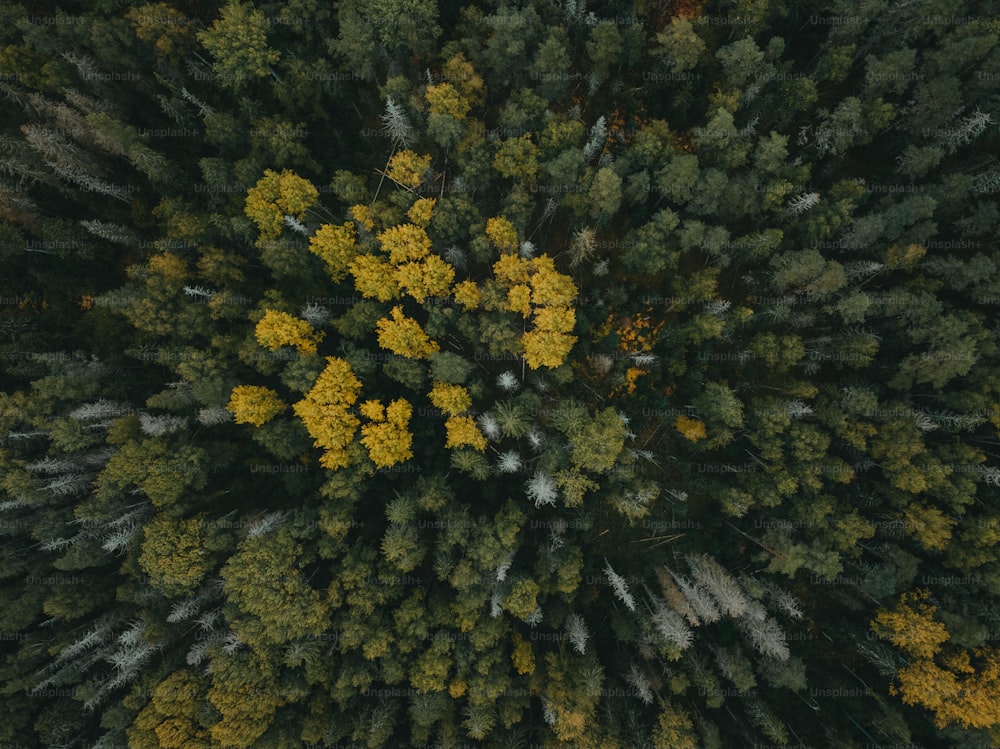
x=174, y=554
x=276, y=329
x=336, y=246
x=605, y=195
x=253, y=404
x=238, y=42
x=375, y=30
x=324, y=411
x=263, y=581
x=386, y=436
x=404, y=336
x=462, y=431
x=680, y=45
x=276, y=196
x=408, y=169
x=452, y=399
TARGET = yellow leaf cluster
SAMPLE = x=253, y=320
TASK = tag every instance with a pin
x=444, y=98
x=172, y=269
x=276, y=329
x=336, y=246
x=252, y=404
x=404, y=336
x=467, y=294
x=522, y=656
x=452, y=399
x=461, y=73
x=462, y=432
x=405, y=242
x=408, y=168
x=432, y=276
x=501, y=232
x=912, y=626
x=324, y=411
x=519, y=299
x=363, y=215
x=546, y=348
x=549, y=287
x=374, y=278
x=690, y=429
x=955, y=688
x=276, y=196
x=511, y=269
x=420, y=212
x=958, y=694
x=410, y=267
x=537, y=289
x=387, y=438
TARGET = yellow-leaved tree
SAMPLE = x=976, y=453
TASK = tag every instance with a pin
x=276, y=196
x=324, y=411
x=404, y=336
x=407, y=168
x=387, y=436
x=537, y=290
x=467, y=294
x=336, y=246
x=405, y=242
x=420, y=212
x=276, y=329
x=452, y=399
x=432, y=276
x=502, y=233
x=374, y=278
x=958, y=686
x=253, y=404
x=463, y=432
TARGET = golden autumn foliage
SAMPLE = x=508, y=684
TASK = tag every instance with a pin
x=522, y=656
x=421, y=211
x=336, y=246
x=362, y=214
x=404, y=336
x=690, y=429
x=432, y=276
x=252, y=404
x=501, y=232
x=467, y=294
x=405, y=242
x=959, y=693
x=538, y=290
x=443, y=98
x=545, y=348
x=324, y=411
x=463, y=76
x=960, y=687
x=408, y=168
x=172, y=269
x=463, y=432
x=374, y=278
x=519, y=299
x=387, y=437
x=511, y=269
x=276, y=329
x=276, y=196
x=549, y=287
x=911, y=626
x=452, y=399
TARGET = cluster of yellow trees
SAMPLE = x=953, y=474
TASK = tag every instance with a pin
x=400, y=263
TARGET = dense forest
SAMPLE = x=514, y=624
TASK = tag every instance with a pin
x=391, y=373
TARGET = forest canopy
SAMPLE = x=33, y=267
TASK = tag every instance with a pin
x=534, y=374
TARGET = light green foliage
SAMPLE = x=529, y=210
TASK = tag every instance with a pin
x=237, y=41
